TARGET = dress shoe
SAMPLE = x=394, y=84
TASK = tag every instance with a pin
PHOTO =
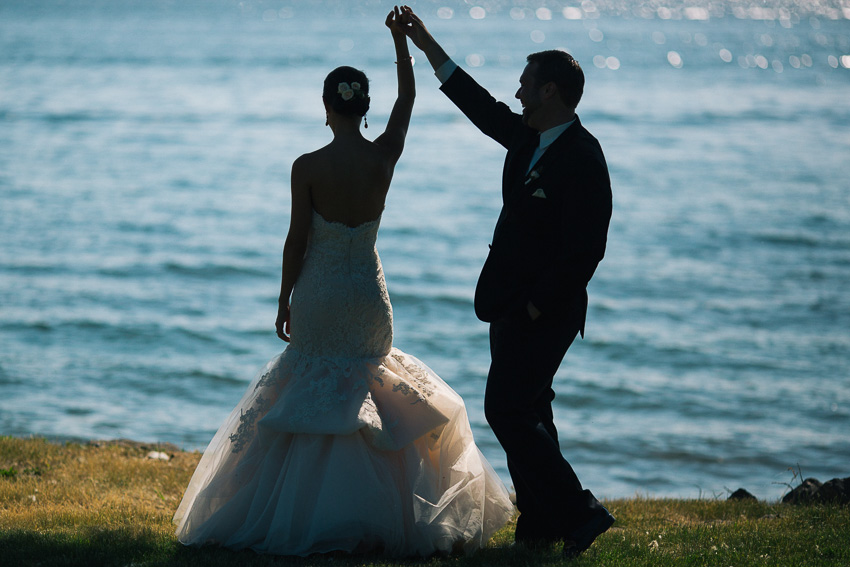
x=581, y=538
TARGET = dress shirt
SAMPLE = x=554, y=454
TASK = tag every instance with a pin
x=445, y=71
x=546, y=139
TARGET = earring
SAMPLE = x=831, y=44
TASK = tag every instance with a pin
x=365, y=121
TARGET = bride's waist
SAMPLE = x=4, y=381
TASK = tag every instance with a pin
x=331, y=267
x=365, y=255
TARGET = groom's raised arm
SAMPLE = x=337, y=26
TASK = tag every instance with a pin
x=422, y=38
x=492, y=117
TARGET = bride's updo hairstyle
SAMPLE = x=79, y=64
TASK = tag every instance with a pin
x=346, y=91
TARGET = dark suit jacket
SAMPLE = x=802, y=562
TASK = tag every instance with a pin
x=544, y=249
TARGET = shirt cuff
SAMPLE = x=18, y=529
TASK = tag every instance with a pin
x=445, y=70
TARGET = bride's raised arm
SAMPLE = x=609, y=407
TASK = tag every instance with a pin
x=393, y=137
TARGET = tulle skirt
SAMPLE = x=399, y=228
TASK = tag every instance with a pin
x=344, y=454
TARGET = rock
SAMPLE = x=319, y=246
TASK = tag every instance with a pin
x=158, y=455
x=804, y=493
x=836, y=491
x=741, y=494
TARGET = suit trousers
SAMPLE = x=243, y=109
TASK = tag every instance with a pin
x=518, y=406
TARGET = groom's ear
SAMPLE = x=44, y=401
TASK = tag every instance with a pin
x=550, y=89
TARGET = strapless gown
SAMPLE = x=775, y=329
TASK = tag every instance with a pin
x=342, y=442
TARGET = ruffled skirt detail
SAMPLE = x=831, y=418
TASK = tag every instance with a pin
x=344, y=454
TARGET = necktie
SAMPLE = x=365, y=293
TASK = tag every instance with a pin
x=524, y=156
x=535, y=155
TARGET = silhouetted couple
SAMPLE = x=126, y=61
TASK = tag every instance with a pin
x=343, y=442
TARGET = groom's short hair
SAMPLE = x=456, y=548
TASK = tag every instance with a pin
x=559, y=67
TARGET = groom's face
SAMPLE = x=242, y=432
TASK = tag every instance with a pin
x=529, y=94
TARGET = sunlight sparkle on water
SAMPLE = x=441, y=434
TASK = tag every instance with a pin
x=589, y=9
x=696, y=13
x=477, y=13
x=603, y=62
x=674, y=59
x=572, y=13
x=475, y=60
x=543, y=14
x=786, y=12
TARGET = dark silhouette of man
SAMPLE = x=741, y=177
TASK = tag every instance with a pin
x=549, y=238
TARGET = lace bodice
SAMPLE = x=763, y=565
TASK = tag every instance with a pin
x=340, y=305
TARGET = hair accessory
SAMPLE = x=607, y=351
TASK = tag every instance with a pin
x=347, y=91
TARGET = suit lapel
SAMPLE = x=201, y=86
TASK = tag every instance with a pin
x=514, y=186
x=521, y=159
x=561, y=144
x=515, y=169
x=556, y=152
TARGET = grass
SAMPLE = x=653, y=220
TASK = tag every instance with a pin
x=110, y=505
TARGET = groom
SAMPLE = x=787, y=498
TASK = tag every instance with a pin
x=549, y=237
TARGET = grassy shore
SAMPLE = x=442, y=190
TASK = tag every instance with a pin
x=111, y=504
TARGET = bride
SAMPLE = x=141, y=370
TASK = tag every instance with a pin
x=342, y=442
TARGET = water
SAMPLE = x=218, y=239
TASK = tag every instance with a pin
x=145, y=150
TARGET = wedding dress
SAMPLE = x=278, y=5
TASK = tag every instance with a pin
x=343, y=442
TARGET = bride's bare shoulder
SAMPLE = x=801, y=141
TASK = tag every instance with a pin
x=310, y=163
x=315, y=155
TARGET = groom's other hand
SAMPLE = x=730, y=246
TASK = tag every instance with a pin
x=421, y=38
x=533, y=312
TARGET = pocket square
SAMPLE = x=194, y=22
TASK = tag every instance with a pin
x=539, y=193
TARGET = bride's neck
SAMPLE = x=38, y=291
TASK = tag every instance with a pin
x=346, y=126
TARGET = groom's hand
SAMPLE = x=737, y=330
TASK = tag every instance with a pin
x=414, y=28
x=533, y=312
x=421, y=38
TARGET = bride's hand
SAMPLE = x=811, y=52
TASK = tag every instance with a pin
x=394, y=21
x=281, y=325
x=410, y=24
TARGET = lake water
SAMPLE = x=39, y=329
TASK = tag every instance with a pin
x=145, y=150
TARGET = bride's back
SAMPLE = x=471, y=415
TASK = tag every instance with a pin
x=349, y=179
